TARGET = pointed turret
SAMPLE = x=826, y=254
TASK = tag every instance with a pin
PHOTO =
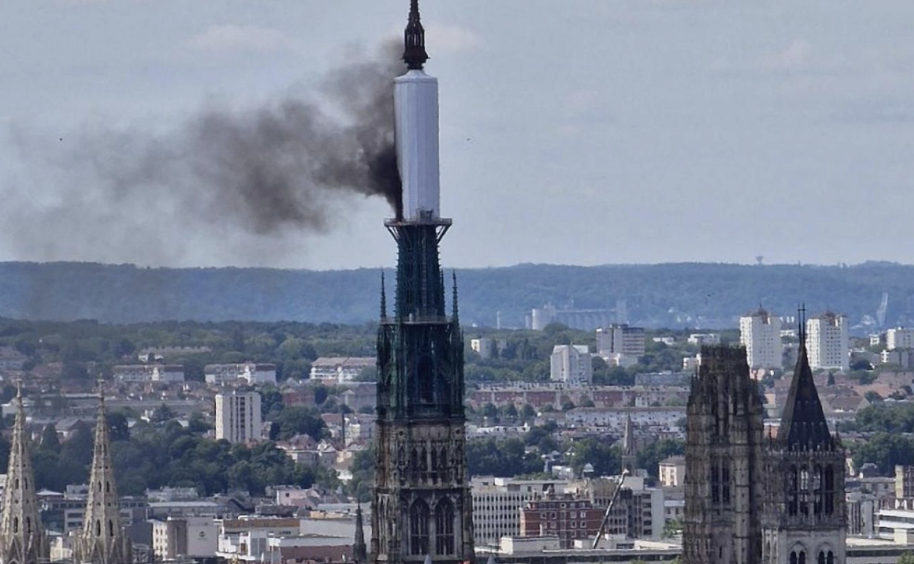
x=414, y=54
x=21, y=537
x=102, y=540
x=455, y=313
x=803, y=425
x=359, y=550
x=383, y=298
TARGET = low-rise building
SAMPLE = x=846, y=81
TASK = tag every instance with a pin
x=672, y=471
x=220, y=374
x=190, y=537
x=497, y=504
x=341, y=369
x=567, y=517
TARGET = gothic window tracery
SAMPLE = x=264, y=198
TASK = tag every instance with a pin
x=792, y=484
x=418, y=528
x=829, y=490
x=817, y=491
x=804, y=491
x=444, y=527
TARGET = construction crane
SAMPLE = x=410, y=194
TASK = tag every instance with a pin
x=612, y=500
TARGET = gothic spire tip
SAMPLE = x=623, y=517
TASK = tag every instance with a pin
x=414, y=54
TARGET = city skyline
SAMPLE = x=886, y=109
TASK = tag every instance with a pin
x=631, y=123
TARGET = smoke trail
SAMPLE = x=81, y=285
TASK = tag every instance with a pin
x=271, y=172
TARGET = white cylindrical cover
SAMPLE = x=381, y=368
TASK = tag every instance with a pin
x=416, y=107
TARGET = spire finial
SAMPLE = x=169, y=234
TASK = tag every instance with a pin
x=801, y=323
x=383, y=297
x=414, y=54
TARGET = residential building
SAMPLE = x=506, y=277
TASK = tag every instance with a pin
x=704, y=339
x=238, y=417
x=497, y=504
x=672, y=471
x=340, y=369
x=760, y=333
x=189, y=537
x=487, y=348
x=220, y=374
x=899, y=338
x=571, y=364
x=565, y=516
x=828, y=341
x=620, y=338
x=141, y=373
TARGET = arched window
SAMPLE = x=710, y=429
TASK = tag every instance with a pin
x=28, y=525
x=802, y=557
x=793, y=558
x=434, y=465
x=15, y=524
x=821, y=559
x=110, y=528
x=401, y=457
x=414, y=464
x=425, y=373
x=107, y=487
x=715, y=483
x=444, y=527
x=423, y=464
x=725, y=482
x=829, y=490
x=98, y=528
x=831, y=558
x=804, y=498
x=817, y=494
x=418, y=528
x=443, y=466
x=792, y=484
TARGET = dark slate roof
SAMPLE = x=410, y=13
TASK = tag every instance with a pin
x=803, y=425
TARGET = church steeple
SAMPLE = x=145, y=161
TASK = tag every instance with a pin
x=359, y=550
x=629, y=448
x=102, y=540
x=803, y=425
x=414, y=54
x=21, y=537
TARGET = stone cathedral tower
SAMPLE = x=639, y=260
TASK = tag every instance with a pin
x=22, y=540
x=102, y=540
x=724, y=456
x=421, y=501
x=805, y=520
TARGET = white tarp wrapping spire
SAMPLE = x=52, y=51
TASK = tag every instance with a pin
x=416, y=108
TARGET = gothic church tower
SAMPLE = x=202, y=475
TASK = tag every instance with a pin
x=805, y=521
x=724, y=456
x=22, y=540
x=102, y=541
x=421, y=505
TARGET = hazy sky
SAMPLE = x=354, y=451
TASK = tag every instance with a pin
x=577, y=132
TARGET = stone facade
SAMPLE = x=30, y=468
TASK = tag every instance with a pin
x=724, y=456
x=755, y=500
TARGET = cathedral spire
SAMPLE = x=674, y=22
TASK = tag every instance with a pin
x=359, y=551
x=803, y=425
x=102, y=540
x=414, y=40
x=21, y=537
x=629, y=449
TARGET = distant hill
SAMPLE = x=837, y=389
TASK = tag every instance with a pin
x=663, y=295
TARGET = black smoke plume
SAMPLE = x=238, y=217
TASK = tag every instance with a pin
x=277, y=172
